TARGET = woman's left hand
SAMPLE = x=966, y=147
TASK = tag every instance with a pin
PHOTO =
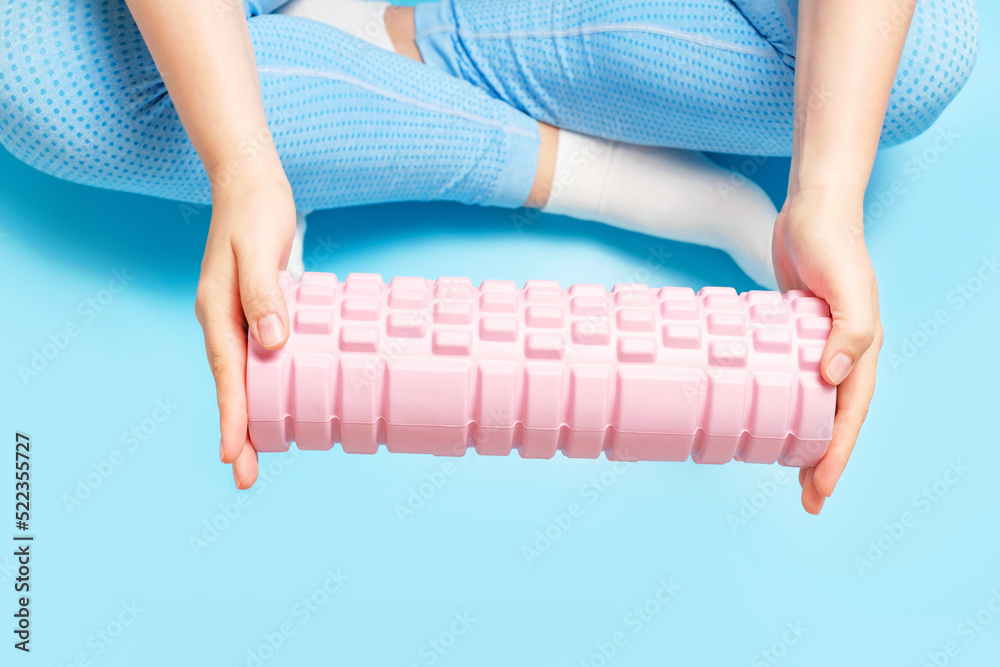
x=819, y=245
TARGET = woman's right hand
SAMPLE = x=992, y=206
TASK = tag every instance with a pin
x=251, y=232
x=212, y=78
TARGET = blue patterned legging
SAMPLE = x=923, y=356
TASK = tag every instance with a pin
x=81, y=99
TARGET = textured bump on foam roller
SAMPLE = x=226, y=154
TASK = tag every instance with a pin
x=437, y=366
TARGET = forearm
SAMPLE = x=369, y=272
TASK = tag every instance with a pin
x=205, y=56
x=846, y=60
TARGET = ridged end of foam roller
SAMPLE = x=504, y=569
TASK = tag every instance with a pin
x=637, y=373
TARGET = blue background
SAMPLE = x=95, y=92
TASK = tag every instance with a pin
x=932, y=219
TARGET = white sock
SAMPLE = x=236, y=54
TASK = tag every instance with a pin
x=361, y=18
x=295, y=263
x=666, y=192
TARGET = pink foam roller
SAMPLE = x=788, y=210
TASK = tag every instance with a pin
x=434, y=366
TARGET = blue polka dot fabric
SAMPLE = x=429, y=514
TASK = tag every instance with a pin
x=81, y=98
x=713, y=75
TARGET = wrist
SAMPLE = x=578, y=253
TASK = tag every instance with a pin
x=252, y=204
x=828, y=195
x=241, y=178
x=826, y=191
x=830, y=180
x=823, y=210
x=253, y=163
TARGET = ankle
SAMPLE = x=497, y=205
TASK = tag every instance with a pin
x=402, y=31
x=541, y=188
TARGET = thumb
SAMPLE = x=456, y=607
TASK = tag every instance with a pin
x=263, y=301
x=852, y=309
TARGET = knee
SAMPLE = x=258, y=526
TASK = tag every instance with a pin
x=23, y=90
x=938, y=58
x=63, y=94
x=34, y=82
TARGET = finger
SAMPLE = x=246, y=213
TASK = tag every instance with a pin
x=855, y=319
x=225, y=346
x=245, y=467
x=263, y=302
x=812, y=499
x=227, y=357
x=853, y=398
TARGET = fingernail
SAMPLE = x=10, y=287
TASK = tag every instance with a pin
x=839, y=366
x=269, y=330
x=221, y=451
x=235, y=478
